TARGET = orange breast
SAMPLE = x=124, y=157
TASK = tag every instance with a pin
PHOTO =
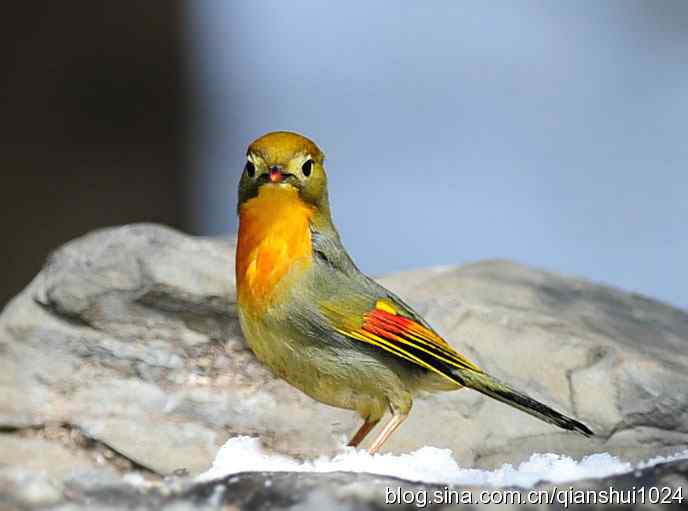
x=274, y=239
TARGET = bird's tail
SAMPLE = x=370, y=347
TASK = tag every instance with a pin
x=490, y=386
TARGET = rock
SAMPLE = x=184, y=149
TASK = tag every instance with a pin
x=611, y=359
x=43, y=455
x=642, y=489
x=129, y=337
x=309, y=491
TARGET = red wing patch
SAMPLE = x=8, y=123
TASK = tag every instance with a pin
x=404, y=337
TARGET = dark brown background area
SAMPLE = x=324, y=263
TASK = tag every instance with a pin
x=92, y=103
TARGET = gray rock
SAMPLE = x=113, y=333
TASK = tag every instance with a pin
x=340, y=490
x=128, y=336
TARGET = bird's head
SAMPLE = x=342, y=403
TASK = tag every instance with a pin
x=283, y=159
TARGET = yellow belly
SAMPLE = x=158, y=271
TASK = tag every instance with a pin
x=355, y=385
x=274, y=239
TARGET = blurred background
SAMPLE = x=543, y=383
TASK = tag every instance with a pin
x=549, y=133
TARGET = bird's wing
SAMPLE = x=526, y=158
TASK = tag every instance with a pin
x=391, y=326
x=362, y=310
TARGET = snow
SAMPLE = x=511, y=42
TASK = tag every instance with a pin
x=428, y=464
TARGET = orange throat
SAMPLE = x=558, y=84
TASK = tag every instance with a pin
x=274, y=240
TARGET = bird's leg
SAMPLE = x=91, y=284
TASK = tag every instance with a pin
x=389, y=428
x=362, y=433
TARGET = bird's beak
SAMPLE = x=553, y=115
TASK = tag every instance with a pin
x=276, y=175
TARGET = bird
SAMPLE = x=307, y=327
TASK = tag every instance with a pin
x=315, y=320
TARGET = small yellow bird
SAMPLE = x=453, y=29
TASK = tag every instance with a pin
x=315, y=320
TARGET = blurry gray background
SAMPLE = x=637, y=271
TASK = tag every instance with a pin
x=550, y=133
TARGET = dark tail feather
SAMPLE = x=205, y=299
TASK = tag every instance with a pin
x=490, y=386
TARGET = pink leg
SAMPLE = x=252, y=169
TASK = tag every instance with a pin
x=389, y=428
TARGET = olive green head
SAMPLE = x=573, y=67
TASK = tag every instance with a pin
x=283, y=159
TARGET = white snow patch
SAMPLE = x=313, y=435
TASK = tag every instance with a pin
x=428, y=464
x=663, y=459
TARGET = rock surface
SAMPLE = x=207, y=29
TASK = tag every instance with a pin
x=340, y=490
x=125, y=353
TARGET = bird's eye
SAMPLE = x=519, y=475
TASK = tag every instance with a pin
x=250, y=169
x=307, y=168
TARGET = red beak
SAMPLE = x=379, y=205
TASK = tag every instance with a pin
x=276, y=175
